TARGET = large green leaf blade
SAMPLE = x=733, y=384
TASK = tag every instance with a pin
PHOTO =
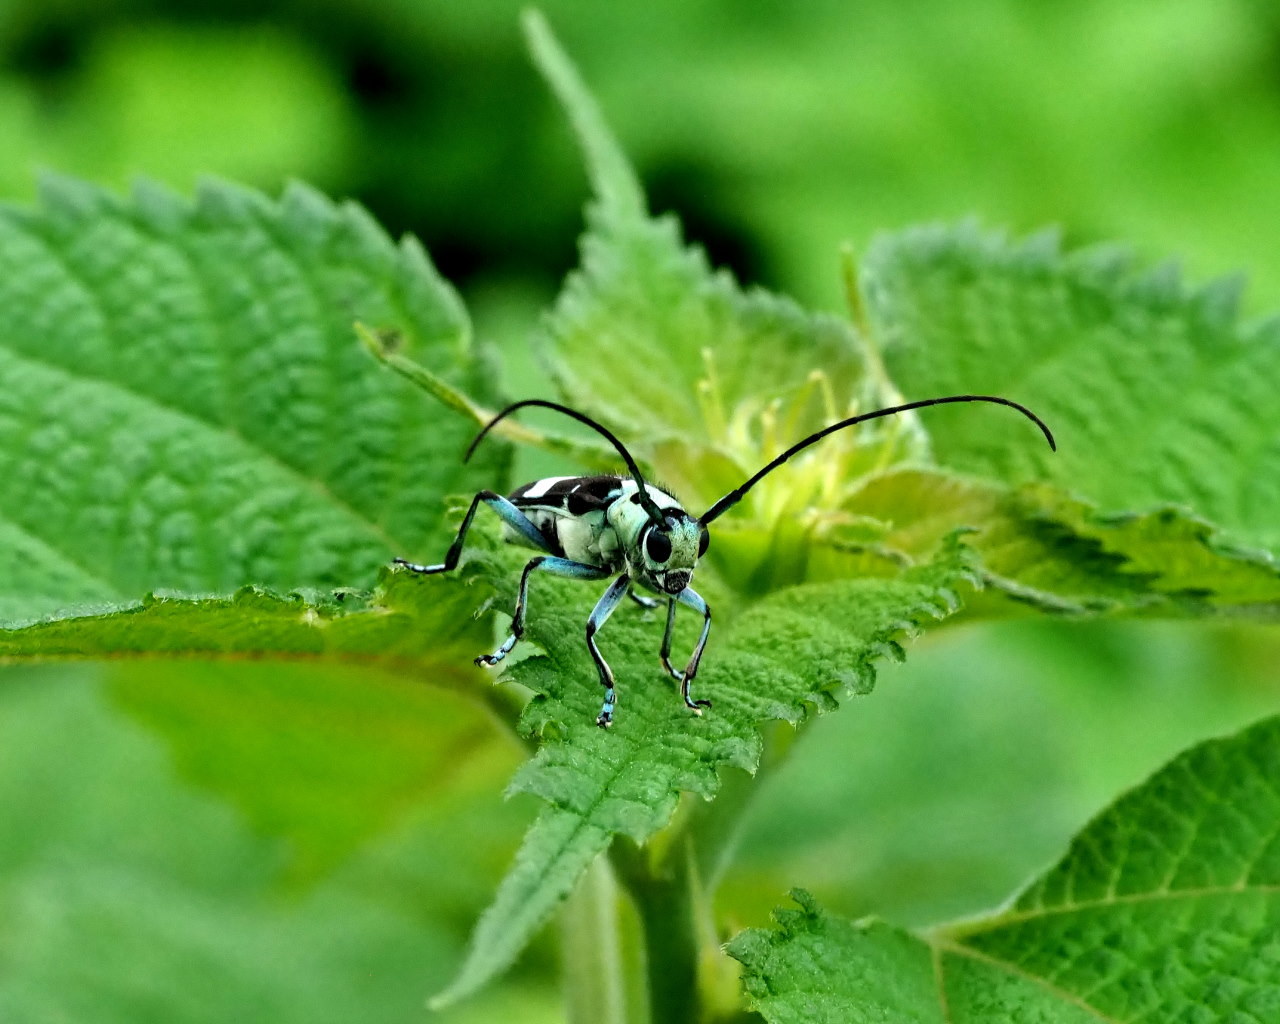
x=186, y=414
x=184, y=404
x=400, y=625
x=1158, y=394
x=803, y=646
x=1167, y=905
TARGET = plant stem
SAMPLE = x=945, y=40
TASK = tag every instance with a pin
x=672, y=883
x=716, y=825
x=601, y=952
x=668, y=922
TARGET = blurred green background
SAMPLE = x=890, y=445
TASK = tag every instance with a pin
x=243, y=874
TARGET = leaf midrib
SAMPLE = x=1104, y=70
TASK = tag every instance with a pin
x=1009, y=968
x=995, y=924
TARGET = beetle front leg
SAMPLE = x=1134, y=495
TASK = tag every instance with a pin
x=599, y=616
x=546, y=563
x=690, y=597
x=644, y=602
x=664, y=653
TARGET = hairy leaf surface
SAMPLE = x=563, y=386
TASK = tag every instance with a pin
x=647, y=334
x=1157, y=392
x=184, y=406
x=185, y=411
x=1043, y=546
x=1166, y=907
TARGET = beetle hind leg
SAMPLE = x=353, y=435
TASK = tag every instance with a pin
x=664, y=652
x=507, y=512
x=546, y=563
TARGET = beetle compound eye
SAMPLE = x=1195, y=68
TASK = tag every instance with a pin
x=657, y=546
x=704, y=541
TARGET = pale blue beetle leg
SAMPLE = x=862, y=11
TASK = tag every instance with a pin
x=643, y=602
x=507, y=512
x=599, y=616
x=665, y=652
x=545, y=563
x=689, y=597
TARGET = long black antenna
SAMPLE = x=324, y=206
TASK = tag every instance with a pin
x=650, y=506
x=736, y=495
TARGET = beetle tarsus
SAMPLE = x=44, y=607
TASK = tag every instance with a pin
x=426, y=570
x=696, y=706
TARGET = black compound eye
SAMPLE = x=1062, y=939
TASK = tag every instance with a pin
x=657, y=545
x=704, y=541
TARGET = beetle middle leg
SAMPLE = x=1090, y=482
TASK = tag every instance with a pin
x=599, y=615
x=546, y=563
x=691, y=599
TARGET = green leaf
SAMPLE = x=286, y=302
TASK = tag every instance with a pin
x=802, y=646
x=186, y=410
x=1158, y=394
x=185, y=407
x=131, y=896
x=1042, y=546
x=232, y=736
x=402, y=625
x=318, y=754
x=1167, y=906
x=710, y=379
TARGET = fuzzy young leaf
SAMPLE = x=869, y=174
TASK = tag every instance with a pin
x=1157, y=393
x=184, y=406
x=1167, y=906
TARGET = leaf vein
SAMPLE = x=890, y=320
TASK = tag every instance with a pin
x=1035, y=979
x=78, y=278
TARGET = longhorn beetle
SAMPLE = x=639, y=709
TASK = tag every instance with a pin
x=594, y=527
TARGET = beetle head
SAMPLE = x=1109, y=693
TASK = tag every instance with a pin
x=667, y=553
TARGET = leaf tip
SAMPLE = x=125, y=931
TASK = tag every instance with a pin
x=804, y=899
x=612, y=179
